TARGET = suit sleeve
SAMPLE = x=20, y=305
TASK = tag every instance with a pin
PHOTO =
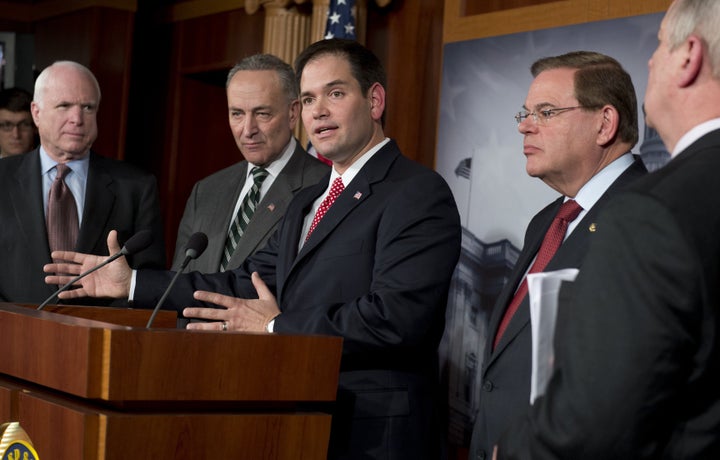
x=625, y=343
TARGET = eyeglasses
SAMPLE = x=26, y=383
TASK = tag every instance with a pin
x=8, y=126
x=542, y=116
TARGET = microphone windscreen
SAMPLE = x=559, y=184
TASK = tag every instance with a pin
x=138, y=242
x=196, y=245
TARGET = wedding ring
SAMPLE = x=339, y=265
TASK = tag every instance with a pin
x=224, y=326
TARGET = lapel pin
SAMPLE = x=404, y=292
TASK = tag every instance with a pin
x=592, y=227
x=357, y=195
x=271, y=207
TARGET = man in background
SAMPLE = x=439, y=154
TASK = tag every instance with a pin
x=63, y=196
x=579, y=123
x=237, y=215
x=17, y=130
x=637, y=360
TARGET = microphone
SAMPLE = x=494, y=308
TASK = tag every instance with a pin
x=134, y=244
x=195, y=247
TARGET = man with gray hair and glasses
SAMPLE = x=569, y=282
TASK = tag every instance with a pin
x=579, y=122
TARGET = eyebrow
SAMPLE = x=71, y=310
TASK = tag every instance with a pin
x=328, y=85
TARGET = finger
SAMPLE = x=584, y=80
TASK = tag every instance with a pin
x=70, y=269
x=214, y=326
x=69, y=256
x=112, y=242
x=263, y=291
x=204, y=313
x=215, y=298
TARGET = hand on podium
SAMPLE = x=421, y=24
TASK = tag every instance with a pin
x=112, y=281
x=246, y=315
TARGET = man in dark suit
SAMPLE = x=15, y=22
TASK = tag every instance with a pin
x=263, y=110
x=579, y=123
x=109, y=194
x=637, y=370
x=374, y=270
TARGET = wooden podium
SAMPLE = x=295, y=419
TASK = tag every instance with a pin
x=88, y=389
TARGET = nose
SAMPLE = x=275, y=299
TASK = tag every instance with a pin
x=250, y=126
x=76, y=115
x=319, y=108
x=527, y=125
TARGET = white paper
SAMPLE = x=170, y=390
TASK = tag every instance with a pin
x=543, y=290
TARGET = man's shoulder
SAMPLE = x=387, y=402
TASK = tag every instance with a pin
x=117, y=168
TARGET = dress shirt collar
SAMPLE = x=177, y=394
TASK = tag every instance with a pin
x=694, y=134
x=276, y=166
x=79, y=167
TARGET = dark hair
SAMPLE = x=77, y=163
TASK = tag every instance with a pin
x=365, y=67
x=269, y=62
x=15, y=100
x=600, y=80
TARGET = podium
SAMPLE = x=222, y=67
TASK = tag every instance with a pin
x=88, y=389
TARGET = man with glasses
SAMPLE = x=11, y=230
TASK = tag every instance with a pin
x=17, y=131
x=637, y=369
x=579, y=123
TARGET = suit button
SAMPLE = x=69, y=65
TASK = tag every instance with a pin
x=488, y=385
x=481, y=455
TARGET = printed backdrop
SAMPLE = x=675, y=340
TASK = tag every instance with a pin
x=484, y=84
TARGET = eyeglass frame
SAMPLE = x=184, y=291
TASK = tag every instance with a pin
x=23, y=125
x=543, y=115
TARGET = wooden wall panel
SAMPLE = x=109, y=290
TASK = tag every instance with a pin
x=458, y=26
x=101, y=39
x=406, y=36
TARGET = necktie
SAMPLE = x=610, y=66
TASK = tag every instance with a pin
x=62, y=217
x=335, y=190
x=243, y=216
x=552, y=241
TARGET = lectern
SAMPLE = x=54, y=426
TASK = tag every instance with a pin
x=83, y=388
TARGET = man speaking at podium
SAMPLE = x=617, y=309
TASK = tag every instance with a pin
x=367, y=254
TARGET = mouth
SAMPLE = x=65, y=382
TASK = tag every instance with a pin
x=324, y=130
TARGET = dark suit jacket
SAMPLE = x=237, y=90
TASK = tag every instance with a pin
x=118, y=196
x=637, y=370
x=212, y=202
x=505, y=385
x=375, y=271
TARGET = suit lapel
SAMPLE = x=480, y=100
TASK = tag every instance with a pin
x=273, y=205
x=530, y=249
x=27, y=200
x=99, y=202
x=356, y=192
x=220, y=216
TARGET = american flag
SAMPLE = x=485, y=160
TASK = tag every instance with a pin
x=341, y=19
x=340, y=24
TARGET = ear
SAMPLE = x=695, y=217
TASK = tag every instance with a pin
x=376, y=97
x=34, y=110
x=691, y=53
x=294, y=110
x=609, y=123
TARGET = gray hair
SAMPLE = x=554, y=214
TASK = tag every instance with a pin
x=43, y=79
x=700, y=17
x=269, y=62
